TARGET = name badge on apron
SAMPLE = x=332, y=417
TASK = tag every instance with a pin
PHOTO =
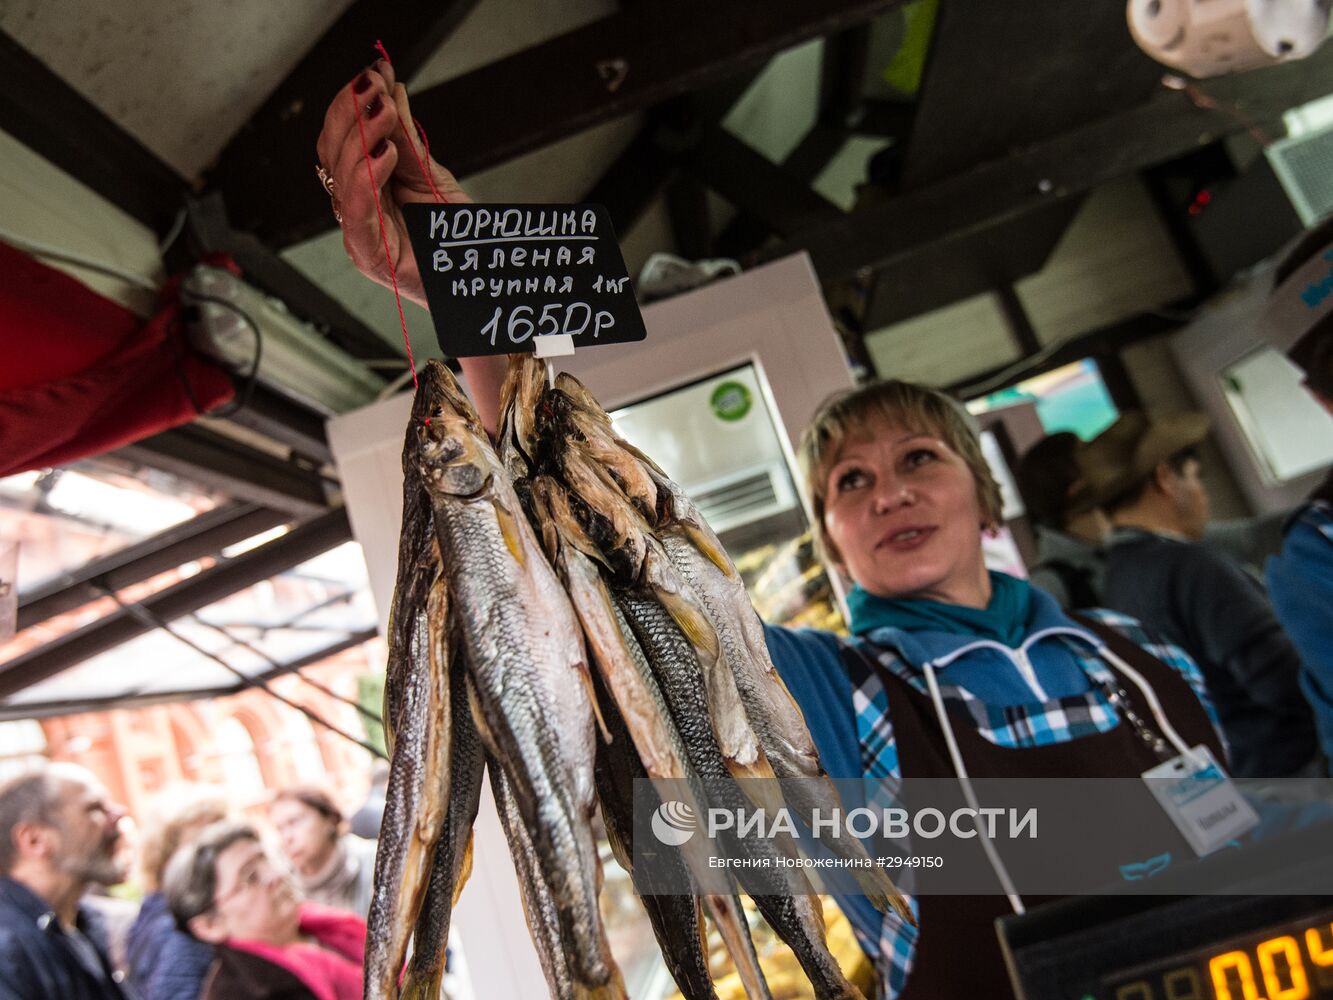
x=1201, y=800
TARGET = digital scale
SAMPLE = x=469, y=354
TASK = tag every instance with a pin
x=1247, y=946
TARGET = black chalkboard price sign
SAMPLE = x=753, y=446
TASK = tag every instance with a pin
x=497, y=277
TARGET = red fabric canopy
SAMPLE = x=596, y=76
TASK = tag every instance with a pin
x=82, y=375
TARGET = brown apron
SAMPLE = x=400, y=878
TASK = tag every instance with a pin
x=957, y=953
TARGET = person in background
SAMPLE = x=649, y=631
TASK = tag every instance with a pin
x=365, y=822
x=226, y=891
x=165, y=963
x=1299, y=322
x=117, y=906
x=1070, y=529
x=58, y=836
x=1145, y=474
x=332, y=867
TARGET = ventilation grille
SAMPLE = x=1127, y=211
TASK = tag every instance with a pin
x=745, y=497
x=1304, y=165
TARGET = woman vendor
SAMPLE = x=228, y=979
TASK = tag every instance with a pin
x=953, y=670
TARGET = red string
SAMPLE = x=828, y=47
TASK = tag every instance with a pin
x=422, y=133
x=379, y=212
x=384, y=234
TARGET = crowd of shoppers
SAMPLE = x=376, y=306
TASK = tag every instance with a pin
x=221, y=916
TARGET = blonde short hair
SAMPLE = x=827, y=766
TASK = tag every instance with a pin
x=176, y=810
x=860, y=413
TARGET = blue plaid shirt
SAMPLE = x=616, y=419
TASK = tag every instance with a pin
x=819, y=684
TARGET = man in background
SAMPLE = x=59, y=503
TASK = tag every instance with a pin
x=1299, y=322
x=58, y=836
x=1145, y=474
x=1070, y=529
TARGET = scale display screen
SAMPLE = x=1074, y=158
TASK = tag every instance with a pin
x=1266, y=933
x=1291, y=961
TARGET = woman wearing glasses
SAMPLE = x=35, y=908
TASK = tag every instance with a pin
x=226, y=891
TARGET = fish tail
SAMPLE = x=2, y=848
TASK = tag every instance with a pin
x=878, y=887
x=730, y=923
x=464, y=867
x=612, y=990
x=422, y=987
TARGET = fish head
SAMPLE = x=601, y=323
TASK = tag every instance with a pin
x=438, y=391
x=520, y=395
x=554, y=511
x=580, y=396
x=445, y=440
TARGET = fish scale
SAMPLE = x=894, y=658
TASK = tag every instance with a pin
x=773, y=713
x=453, y=850
x=414, y=808
x=538, y=907
x=787, y=904
x=676, y=917
x=524, y=653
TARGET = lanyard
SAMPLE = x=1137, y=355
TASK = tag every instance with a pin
x=1153, y=740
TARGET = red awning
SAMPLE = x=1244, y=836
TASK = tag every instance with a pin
x=82, y=375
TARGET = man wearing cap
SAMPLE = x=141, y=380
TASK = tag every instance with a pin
x=1299, y=322
x=58, y=836
x=1070, y=530
x=1145, y=474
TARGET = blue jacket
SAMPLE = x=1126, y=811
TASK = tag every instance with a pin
x=1216, y=612
x=165, y=963
x=1052, y=664
x=38, y=961
x=1300, y=585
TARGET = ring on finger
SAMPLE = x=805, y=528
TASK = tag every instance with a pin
x=326, y=179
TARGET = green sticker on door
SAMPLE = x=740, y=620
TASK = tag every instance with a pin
x=730, y=401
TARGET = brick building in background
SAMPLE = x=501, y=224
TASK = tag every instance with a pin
x=250, y=743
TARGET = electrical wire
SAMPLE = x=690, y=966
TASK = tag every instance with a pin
x=322, y=688
x=157, y=621
x=248, y=380
x=177, y=227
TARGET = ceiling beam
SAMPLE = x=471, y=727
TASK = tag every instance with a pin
x=633, y=181
x=1002, y=75
x=303, y=542
x=843, y=73
x=649, y=164
x=554, y=90
x=1016, y=315
x=842, y=112
x=687, y=206
x=243, y=473
x=757, y=186
x=1055, y=168
x=50, y=709
x=275, y=149
x=206, y=534
x=54, y=120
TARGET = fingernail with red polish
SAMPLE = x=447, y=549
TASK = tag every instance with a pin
x=380, y=149
x=375, y=106
x=362, y=84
